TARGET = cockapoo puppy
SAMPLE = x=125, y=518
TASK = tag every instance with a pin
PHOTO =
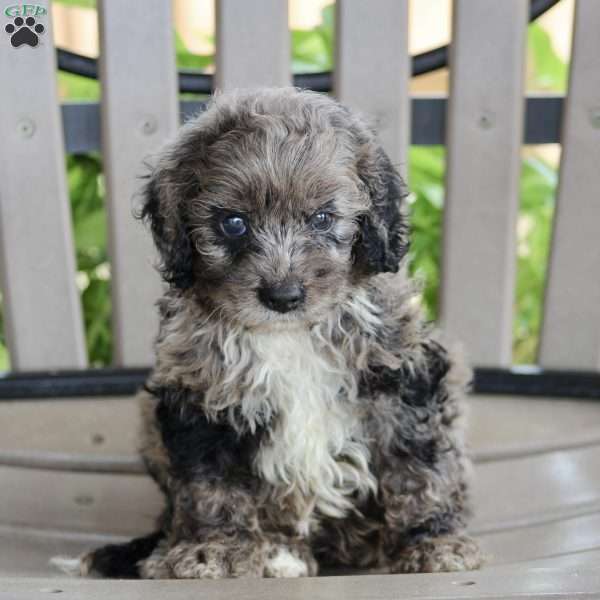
x=301, y=414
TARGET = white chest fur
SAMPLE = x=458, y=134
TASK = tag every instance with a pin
x=314, y=448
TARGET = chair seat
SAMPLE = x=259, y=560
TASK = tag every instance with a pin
x=71, y=480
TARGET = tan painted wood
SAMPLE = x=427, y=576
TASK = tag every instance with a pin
x=85, y=427
x=544, y=540
x=78, y=463
x=139, y=112
x=92, y=503
x=42, y=317
x=26, y=552
x=543, y=507
x=253, y=44
x=485, y=116
x=100, y=434
x=571, y=331
x=507, y=495
x=536, y=489
x=511, y=426
x=543, y=489
x=372, y=76
x=572, y=561
x=524, y=584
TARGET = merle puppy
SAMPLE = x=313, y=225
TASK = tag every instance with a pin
x=301, y=413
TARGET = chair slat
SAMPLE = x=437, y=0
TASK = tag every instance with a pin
x=540, y=489
x=85, y=427
x=516, y=584
x=501, y=427
x=571, y=330
x=372, y=68
x=91, y=502
x=139, y=111
x=253, y=44
x=485, y=118
x=560, y=537
x=43, y=321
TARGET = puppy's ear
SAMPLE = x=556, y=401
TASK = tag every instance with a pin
x=382, y=240
x=162, y=210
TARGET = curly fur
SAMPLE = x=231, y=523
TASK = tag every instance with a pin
x=330, y=435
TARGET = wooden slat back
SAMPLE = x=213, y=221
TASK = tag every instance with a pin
x=485, y=116
x=43, y=318
x=372, y=68
x=253, y=44
x=139, y=112
x=571, y=330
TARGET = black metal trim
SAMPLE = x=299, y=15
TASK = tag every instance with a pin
x=523, y=381
x=81, y=121
x=202, y=83
x=533, y=381
x=71, y=384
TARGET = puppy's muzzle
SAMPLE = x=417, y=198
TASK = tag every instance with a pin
x=282, y=297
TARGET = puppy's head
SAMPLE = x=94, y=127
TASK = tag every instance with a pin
x=273, y=204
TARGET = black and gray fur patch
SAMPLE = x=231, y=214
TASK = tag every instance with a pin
x=198, y=447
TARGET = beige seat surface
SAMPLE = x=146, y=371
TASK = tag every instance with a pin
x=71, y=480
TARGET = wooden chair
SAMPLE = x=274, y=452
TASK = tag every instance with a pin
x=69, y=474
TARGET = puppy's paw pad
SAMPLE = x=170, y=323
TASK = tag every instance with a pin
x=444, y=554
x=283, y=563
x=198, y=561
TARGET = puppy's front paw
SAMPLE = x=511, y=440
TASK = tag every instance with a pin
x=215, y=560
x=432, y=555
x=286, y=562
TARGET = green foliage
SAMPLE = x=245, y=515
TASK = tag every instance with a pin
x=187, y=60
x=75, y=87
x=4, y=357
x=538, y=187
x=79, y=3
x=313, y=49
x=86, y=190
x=547, y=72
x=426, y=179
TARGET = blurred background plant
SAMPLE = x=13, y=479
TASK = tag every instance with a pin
x=313, y=51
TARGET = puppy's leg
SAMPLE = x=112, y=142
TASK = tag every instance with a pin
x=435, y=554
x=217, y=504
x=216, y=558
x=290, y=558
x=119, y=561
x=233, y=556
x=422, y=466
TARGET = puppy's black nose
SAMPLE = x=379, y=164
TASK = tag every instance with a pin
x=282, y=297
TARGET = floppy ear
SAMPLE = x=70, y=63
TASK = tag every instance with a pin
x=382, y=239
x=162, y=209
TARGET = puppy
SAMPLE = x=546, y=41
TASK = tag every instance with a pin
x=301, y=414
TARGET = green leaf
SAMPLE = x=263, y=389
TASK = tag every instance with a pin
x=4, y=358
x=313, y=49
x=75, y=87
x=89, y=225
x=90, y=232
x=309, y=52
x=547, y=71
x=79, y=3
x=188, y=60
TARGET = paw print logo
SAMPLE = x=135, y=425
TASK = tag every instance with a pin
x=24, y=32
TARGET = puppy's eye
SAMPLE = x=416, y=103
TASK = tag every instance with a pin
x=321, y=221
x=234, y=226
